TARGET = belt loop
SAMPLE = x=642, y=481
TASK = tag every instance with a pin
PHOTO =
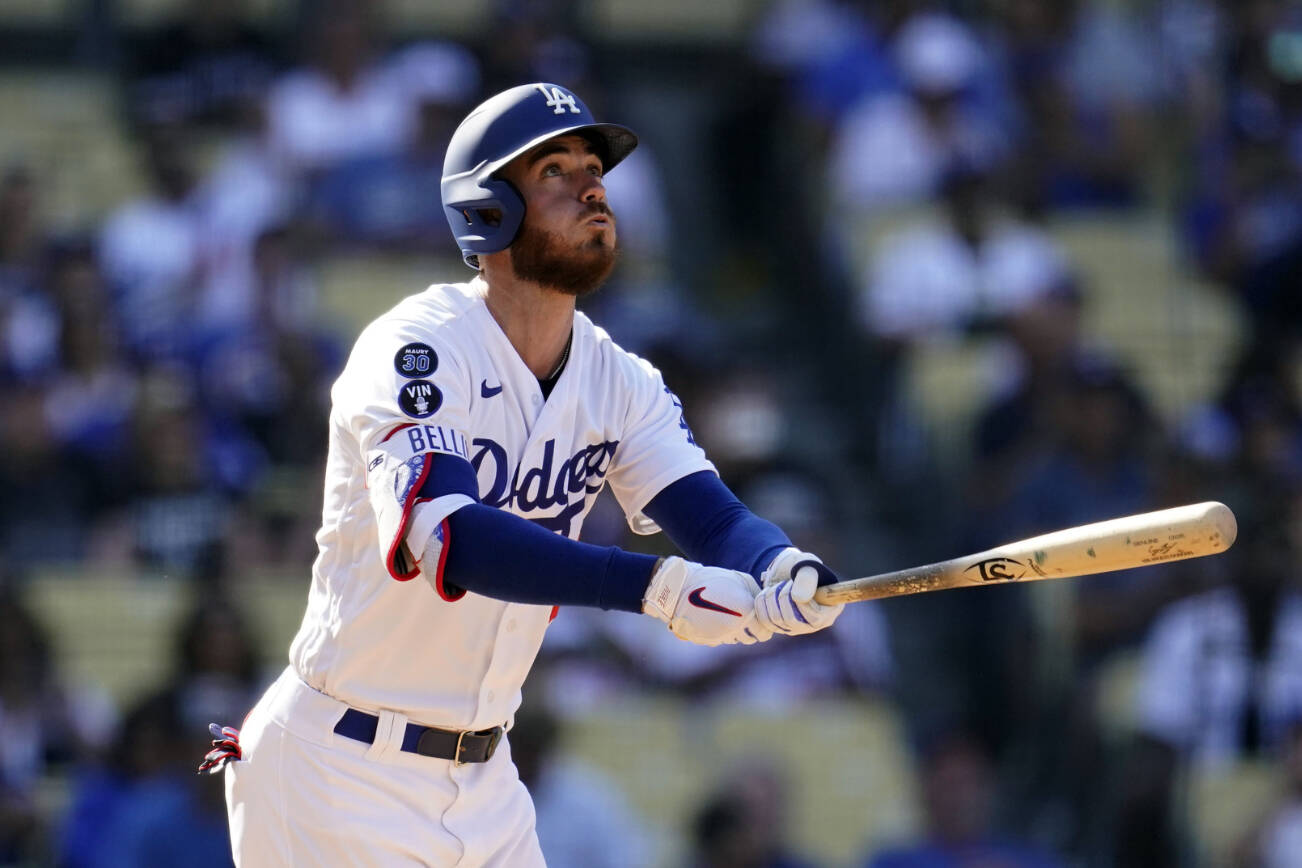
x=389, y=732
x=456, y=754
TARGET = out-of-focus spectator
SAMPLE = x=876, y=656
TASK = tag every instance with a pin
x=179, y=507
x=1222, y=679
x=48, y=505
x=144, y=807
x=142, y=804
x=1243, y=223
x=1242, y=219
x=203, y=66
x=894, y=148
x=151, y=250
x=1087, y=429
x=45, y=726
x=744, y=822
x=832, y=52
x=1050, y=345
x=344, y=103
x=535, y=41
x=959, y=280
x=249, y=191
x=27, y=320
x=1087, y=82
x=583, y=818
x=1223, y=674
x=21, y=234
x=268, y=372
x=217, y=674
x=1254, y=427
x=394, y=199
x=90, y=390
x=1103, y=449
x=141, y=746
x=975, y=267
x=959, y=796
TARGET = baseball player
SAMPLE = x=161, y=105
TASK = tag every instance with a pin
x=471, y=430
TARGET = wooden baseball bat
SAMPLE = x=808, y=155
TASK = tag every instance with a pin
x=1116, y=544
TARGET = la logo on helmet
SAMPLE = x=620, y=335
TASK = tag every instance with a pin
x=558, y=99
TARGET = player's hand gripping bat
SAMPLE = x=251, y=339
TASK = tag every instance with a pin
x=1116, y=544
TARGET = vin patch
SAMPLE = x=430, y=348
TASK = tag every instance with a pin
x=420, y=398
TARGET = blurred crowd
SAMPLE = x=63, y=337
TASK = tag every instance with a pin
x=848, y=189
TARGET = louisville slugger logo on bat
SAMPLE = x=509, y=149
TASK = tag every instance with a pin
x=1003, y=569
x=1116, y=544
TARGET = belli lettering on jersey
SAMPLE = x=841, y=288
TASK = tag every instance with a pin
x=437, y=438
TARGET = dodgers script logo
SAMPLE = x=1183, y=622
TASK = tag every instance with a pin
x=558, y=99
x=547, y=486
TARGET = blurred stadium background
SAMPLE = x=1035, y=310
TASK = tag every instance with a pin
x=928, y=276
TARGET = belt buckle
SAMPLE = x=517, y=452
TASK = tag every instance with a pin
x=494, y=738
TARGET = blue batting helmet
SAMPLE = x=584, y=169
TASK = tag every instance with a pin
x=500, y=129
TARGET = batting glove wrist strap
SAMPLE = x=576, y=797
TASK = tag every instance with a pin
x=704, y=605
x=790, y=561
x=664, y=589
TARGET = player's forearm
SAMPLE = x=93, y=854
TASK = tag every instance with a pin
x=500, y=555
x=710, y=525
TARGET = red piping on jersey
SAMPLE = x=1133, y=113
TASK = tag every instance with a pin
x=443, y=560
x=556, y=610
x=402, y=526
x=403, y=427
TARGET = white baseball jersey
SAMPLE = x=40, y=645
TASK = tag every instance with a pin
x=437, y=375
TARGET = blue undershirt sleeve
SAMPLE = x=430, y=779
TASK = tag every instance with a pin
x=711, y=526
x=500, y=555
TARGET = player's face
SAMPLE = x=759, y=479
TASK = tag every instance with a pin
x=568, y=240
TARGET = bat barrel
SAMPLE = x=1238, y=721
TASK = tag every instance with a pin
x=1166, y=535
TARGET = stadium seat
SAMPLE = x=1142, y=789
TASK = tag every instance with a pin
x=447, y=18
x=146, y=13
x=115, y=631
x=64, y=126
x=1226, y=804
x=111, y=631
x=38, y=13
x=684, y=20
x=1177, y=330
x=852, y=775
x=356, y=288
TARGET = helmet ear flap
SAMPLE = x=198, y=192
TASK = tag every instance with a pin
x=510, y=206
x=479, y=233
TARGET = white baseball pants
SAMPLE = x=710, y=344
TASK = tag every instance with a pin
x=304, y=796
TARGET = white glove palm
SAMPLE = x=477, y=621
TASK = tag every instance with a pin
x=704, y=605
x=787, y=605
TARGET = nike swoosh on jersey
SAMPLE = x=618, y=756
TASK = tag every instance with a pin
x=487, y=392
x=700, y=602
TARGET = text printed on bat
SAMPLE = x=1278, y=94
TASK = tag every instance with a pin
x=998, y=569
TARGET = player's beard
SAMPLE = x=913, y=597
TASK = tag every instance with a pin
x=541, y=257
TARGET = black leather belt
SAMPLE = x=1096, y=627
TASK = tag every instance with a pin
x=461, y=747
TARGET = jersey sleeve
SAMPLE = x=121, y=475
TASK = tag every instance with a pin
x=404, y=397
x=656, y=446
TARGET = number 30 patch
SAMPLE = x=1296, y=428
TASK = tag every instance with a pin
x=416, y=360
